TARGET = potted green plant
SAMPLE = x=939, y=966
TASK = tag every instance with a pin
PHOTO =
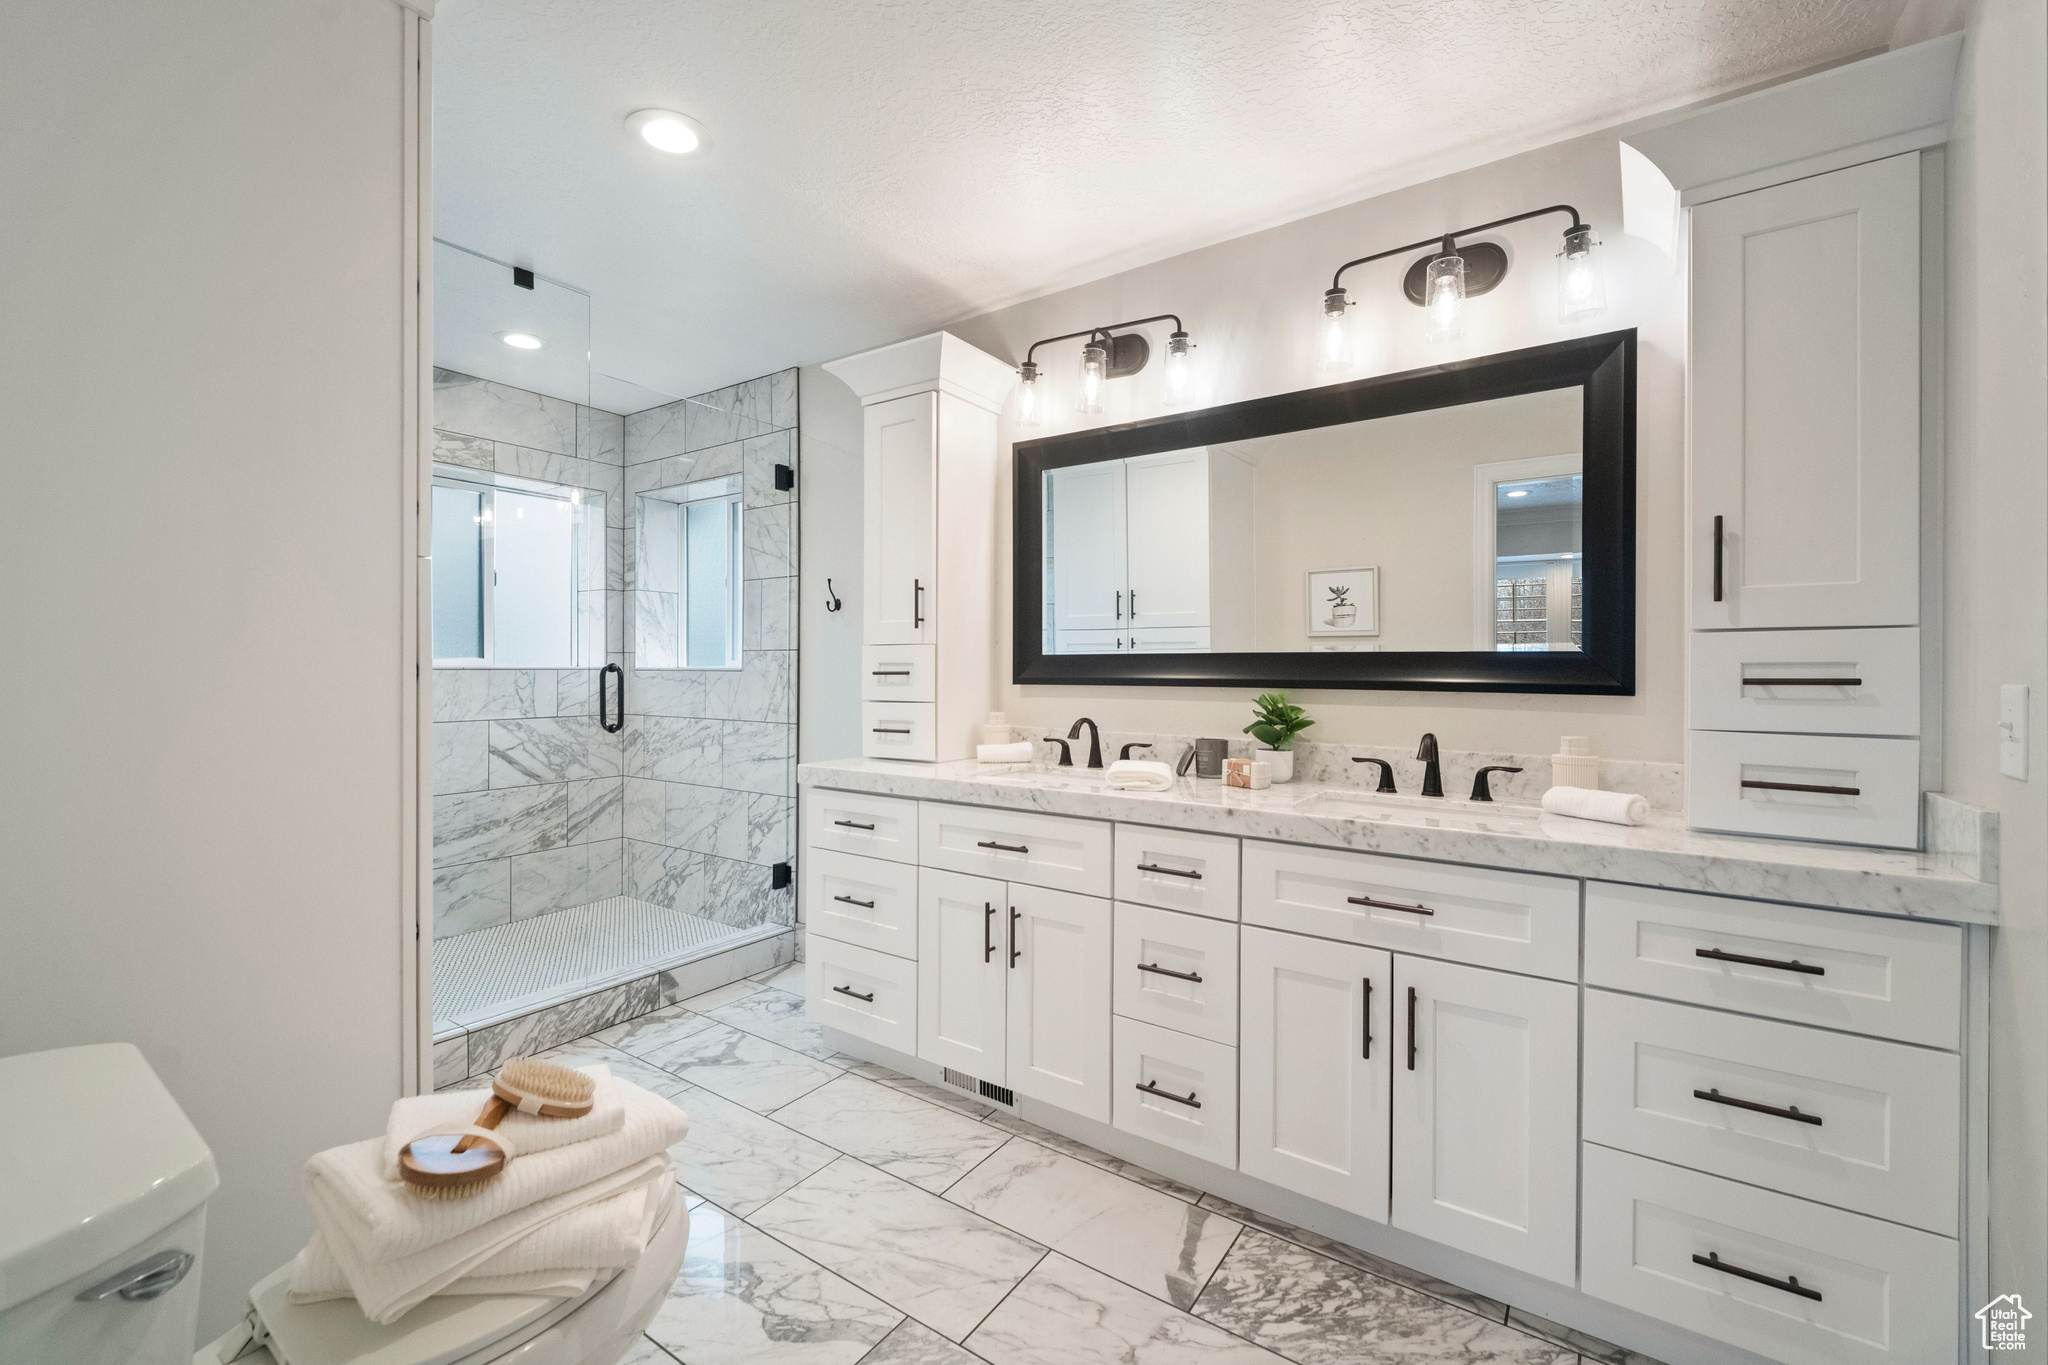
x=1343, y=611
x=1277, y=721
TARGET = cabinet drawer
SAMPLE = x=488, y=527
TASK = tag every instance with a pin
x=1516, y=921
x=1176, y=1089
x=1043, y=850
x=871, y=902
x=1891, y=977
x=840, y=978
x=1867, y=1125
x=1177, y=871
x=898, y=672
x=854, y=822
x=1156, y=954
x=1836, y=682
x=1880, y=1292
x=899, y=729
x=1750, y=784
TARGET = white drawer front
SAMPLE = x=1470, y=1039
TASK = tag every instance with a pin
x=1055, y=851
x=1516, y=921
x=1826, y=787
x=1176, y=870
x=898, y=672
x=1885, y=1293
x=1836, y=682
x=1894, y=978
x=899, y=729
x=1878, y=1125
x=1151, y=1064
x=1158, y=952
x=854, y=822
x=872, y=995
x=867, y=901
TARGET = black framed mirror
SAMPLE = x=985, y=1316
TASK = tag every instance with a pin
x=1467, y=527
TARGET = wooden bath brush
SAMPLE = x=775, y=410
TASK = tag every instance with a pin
x=457, y=1160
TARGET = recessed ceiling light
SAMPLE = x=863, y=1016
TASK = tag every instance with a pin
x=1518, y=492
x=524, y=341
x=667, y=131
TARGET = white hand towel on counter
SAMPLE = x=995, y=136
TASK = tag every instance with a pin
x=528, y=1133
x=1020, y=752
x=1616, y=808
x=1139, y=775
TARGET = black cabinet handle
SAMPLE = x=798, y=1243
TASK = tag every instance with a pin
x=889, y=673
x=1169, y=871
x=1134, y=612
x=1368, y=1017
x=1790, y=1284
x=916, y=604
x=881, y=731
x=1802, y=682
x=988, y=931
x=1015, y=951
x=1802, y=787
x=1717, y=559
x=1389, y=905
x=1158, y=970
x=1007, y=848
x=1119, y=607
x=848, y=990
x=1411, y=1028
x=1792, y=1113
x=854, y=824
x=1795, y=965
x=865, y=905
x=604, y=716
x=1188, y=1099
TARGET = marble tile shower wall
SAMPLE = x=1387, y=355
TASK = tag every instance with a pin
x=529, y=796
x=709, y=755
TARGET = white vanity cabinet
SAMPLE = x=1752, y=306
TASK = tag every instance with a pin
x=899, y=535
x=1058, y=999
x=963, y=959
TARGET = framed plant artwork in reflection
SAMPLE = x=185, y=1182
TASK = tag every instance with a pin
x=1344, y=601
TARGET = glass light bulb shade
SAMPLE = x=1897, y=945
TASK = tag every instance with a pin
x=1027, y=395
x=1179, y=364
x=1443, y=293
x=1333, y=334
x=521, y=341
x=1094, y=367
x=1581, y=290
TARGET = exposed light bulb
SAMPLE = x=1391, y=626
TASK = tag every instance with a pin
x=1581, y=293
x=1094, y=369
x=1518, y=492
x=1027, y=395
x=1443, y=294
x=1333, y=335
x=521, y=341
x=1179, y=367
x=667, y=131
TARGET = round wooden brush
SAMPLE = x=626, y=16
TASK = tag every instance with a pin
x=531, y=1087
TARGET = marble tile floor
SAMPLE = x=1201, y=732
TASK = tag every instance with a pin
x=842, y=1214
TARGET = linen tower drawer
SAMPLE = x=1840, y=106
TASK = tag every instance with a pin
x=898, y=672
x=1177, y=971
x=1176, y=870
x=899, y=729
x=1834, y=788
x=869, y=994
x=1054, y=851
x=871, y=902
x=855, y=822
x=1834, y=682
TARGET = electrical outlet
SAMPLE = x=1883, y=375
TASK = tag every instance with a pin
x=2012, y=730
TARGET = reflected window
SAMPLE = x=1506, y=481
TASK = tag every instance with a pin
x=518, y=573
x=688, y=588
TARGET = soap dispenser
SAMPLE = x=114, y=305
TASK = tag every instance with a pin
x=1575, y=764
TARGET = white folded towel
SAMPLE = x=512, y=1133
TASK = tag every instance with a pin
x=528, y=1133
x=1020, y=752
x=1139, y=775
x=1616, y=808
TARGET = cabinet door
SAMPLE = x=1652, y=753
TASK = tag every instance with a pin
x=1059, y=954
x=1805, y=404
x=1167, y=501
x=1084, y=530
x=900, y=473
x=1485, y=1113
x=1314, y=1068
x=960, y=970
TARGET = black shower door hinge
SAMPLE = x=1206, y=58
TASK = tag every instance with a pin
x=522, y=277
x=785, y=478
x=778, y=877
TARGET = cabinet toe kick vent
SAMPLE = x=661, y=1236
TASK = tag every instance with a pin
x=988, y=1090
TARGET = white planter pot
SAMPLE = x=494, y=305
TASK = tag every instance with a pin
x=1282, y=761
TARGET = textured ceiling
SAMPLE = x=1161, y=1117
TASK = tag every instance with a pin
x=878, y=168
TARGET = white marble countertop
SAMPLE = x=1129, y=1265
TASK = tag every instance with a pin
x=1661, y=853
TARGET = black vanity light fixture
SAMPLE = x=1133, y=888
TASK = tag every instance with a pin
x=1107, y=355
x=1441, y=282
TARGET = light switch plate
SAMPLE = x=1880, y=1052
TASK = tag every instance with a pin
x=2012, y=730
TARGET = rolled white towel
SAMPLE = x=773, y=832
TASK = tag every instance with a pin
x=1139, y=775
x=1020, y=752
x=1616, y=808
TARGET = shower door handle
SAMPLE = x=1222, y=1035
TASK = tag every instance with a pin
x=605, y=719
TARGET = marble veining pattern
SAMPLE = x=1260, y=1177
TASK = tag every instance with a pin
x=1066, y=1312
x=930, y=1147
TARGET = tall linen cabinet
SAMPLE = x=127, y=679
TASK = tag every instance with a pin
x=928, y=484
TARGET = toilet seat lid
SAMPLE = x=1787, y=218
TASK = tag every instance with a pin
x=442, y=1331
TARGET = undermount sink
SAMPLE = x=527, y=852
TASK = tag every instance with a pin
x=1366, y=804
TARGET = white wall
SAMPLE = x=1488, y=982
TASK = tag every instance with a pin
x=829, y=426
x=200, y=534
x=1997, y=572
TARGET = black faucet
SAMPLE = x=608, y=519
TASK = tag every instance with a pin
x=1432, y=776
x=1066, y=751
x=1479, y=788
x=1124, y=753
x=1386, y=773
x=1094, y=740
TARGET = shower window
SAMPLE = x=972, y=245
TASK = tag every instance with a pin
x=688, y=586
x=518, y=573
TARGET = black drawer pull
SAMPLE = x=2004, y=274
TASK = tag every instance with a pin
x=1716, y=1097
x=880, y=731
x=1007, y=848
x=1169, y=871
x=854, y=824
x=1802, y=682
x=865, y=905
x=1795, y=965
x=1790, y=1284
x=848, y=990
x=1389, y=905
x=889, y=673
x=1802, y=787
x=1188, y=1099
x=1158, y=970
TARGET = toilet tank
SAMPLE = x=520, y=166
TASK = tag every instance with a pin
x=103, y=1190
